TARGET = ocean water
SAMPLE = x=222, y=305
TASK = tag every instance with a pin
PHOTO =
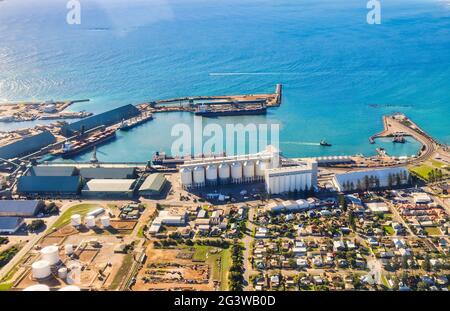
x=340, y=75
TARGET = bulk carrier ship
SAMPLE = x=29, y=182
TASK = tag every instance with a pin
x=70, y=150
x=232, y=110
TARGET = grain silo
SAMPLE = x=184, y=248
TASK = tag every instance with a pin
x=186, y=177
x=90, y=221
x=260, y=169
x=68, y=249
x=249, y=171
x=75, y=220
x=105, y=221
x=236, y=172
x=69, y=288
x=62, y=273
x=50, y=254
x=41, y=269
x=211, y=174
x=224, y=173
x=37, y=288
x=199, y=176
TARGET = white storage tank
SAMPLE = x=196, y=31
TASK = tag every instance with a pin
x=50, y=254
x=76, y=220
x=199, y=176
x=236, y=171
x=62, y=273
x=224, y=172
x=211, y=174
x=90, y=221
x=68, y=249
x=260, y=169
x=186, y=177
x=40, y=269
x=37, y=288
x=69, y=288
x=105, y=221
x=249, y=170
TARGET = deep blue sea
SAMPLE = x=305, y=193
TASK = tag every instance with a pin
x=340, y=74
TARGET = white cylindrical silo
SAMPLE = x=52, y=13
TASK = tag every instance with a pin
x=75, y=220
x=90, y=221
x=69, y=288
x=68, y=249
x=105, y=221
x=186, y=177
x=260, y=169
x=211, y=174
x=249, y=170
x=199, y=176
x=224, y=173
x=50, y=254
x=40, y=269
x=62, y=273
x=37, y=288
x=236, y=172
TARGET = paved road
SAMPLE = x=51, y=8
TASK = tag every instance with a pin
x=247, y=240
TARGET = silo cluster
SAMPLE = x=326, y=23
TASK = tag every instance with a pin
x=198, y=173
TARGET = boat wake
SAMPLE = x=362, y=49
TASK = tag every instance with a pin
x=250, y=73
x=300, y=143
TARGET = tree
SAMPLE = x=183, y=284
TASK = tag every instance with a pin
x=366, y=183
x=398, y=180
x=36, y=225
x=390, y=180
x=426, y=265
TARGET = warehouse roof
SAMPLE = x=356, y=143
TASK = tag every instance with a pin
x=108, y=172
x=48, y=184
x=9, y=223
x=105, y=118
x=27, y=145
x=154, y=182
x=109, y=185
x=45, y=170
x=18, y=207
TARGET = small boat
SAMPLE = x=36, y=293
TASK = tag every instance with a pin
x=399, y=139
x=324, y=143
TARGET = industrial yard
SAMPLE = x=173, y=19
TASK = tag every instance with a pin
x=254, y=222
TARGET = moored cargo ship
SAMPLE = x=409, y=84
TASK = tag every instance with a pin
x=72, y=149
x=233, y=111
x=163, y=159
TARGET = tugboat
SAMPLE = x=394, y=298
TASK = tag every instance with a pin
x=324, y=143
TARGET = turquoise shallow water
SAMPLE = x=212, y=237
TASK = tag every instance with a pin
x=340, y=75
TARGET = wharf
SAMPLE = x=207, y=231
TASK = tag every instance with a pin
x=232, y=102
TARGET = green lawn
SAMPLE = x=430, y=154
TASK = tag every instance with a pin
x=433, y=231
x=220, y=262
x=81, y=209
x=437, y=163
x=389, y=230
x=5, y=286
x=422, y=171
x=123, y=271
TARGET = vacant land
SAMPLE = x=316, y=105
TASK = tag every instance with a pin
x=81, y=209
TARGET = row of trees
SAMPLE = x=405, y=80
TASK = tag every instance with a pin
x=435, y=175
x=374, y=182
x=236, y=275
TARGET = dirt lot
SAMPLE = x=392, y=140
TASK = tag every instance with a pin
x=165, y=270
